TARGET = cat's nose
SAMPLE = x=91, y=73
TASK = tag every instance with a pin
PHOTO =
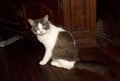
x=41, y=32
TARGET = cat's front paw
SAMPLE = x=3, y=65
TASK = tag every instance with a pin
x=42, y=62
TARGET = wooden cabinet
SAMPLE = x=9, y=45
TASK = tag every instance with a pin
x=80, y=19
x=77, y=16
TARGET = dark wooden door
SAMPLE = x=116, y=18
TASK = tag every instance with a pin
x=10, y=15
x=8, y=10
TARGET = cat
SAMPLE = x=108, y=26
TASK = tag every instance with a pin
x=62, y=49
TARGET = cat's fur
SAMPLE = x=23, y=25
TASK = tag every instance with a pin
x=61, y=47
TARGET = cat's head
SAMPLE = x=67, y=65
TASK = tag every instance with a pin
x=40, y=26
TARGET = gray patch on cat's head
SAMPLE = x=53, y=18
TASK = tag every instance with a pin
x=44, y=23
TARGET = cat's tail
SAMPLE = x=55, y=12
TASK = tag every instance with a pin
x=96, y=67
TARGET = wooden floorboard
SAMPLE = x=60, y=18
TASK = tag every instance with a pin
x=106, y=59
x=112, y=52
x=3, y=67
x=20, y=62
x=13, y=66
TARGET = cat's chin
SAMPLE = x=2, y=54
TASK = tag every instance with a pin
x=40, y=34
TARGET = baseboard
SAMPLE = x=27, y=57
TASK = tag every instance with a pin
x=86, y=43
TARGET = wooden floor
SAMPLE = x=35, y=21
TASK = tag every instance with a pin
x=20, y=62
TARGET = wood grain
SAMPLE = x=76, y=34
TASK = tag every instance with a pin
x=20, y=62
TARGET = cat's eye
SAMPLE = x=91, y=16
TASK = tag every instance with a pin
x=34, y=29
x=46, y=27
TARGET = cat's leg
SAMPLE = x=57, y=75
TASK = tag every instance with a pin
x=66, y=64
x=56, y=63
x=46, y=57
x=63, y=63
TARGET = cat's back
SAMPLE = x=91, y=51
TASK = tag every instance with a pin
x=65, y=37
x=65, y=47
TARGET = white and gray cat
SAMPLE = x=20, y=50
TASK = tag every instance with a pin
x=61, y=48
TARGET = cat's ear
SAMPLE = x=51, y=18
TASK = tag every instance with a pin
x=32, y=23
x=45, y=18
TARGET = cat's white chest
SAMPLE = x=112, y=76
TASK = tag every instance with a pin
x=49, y=39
